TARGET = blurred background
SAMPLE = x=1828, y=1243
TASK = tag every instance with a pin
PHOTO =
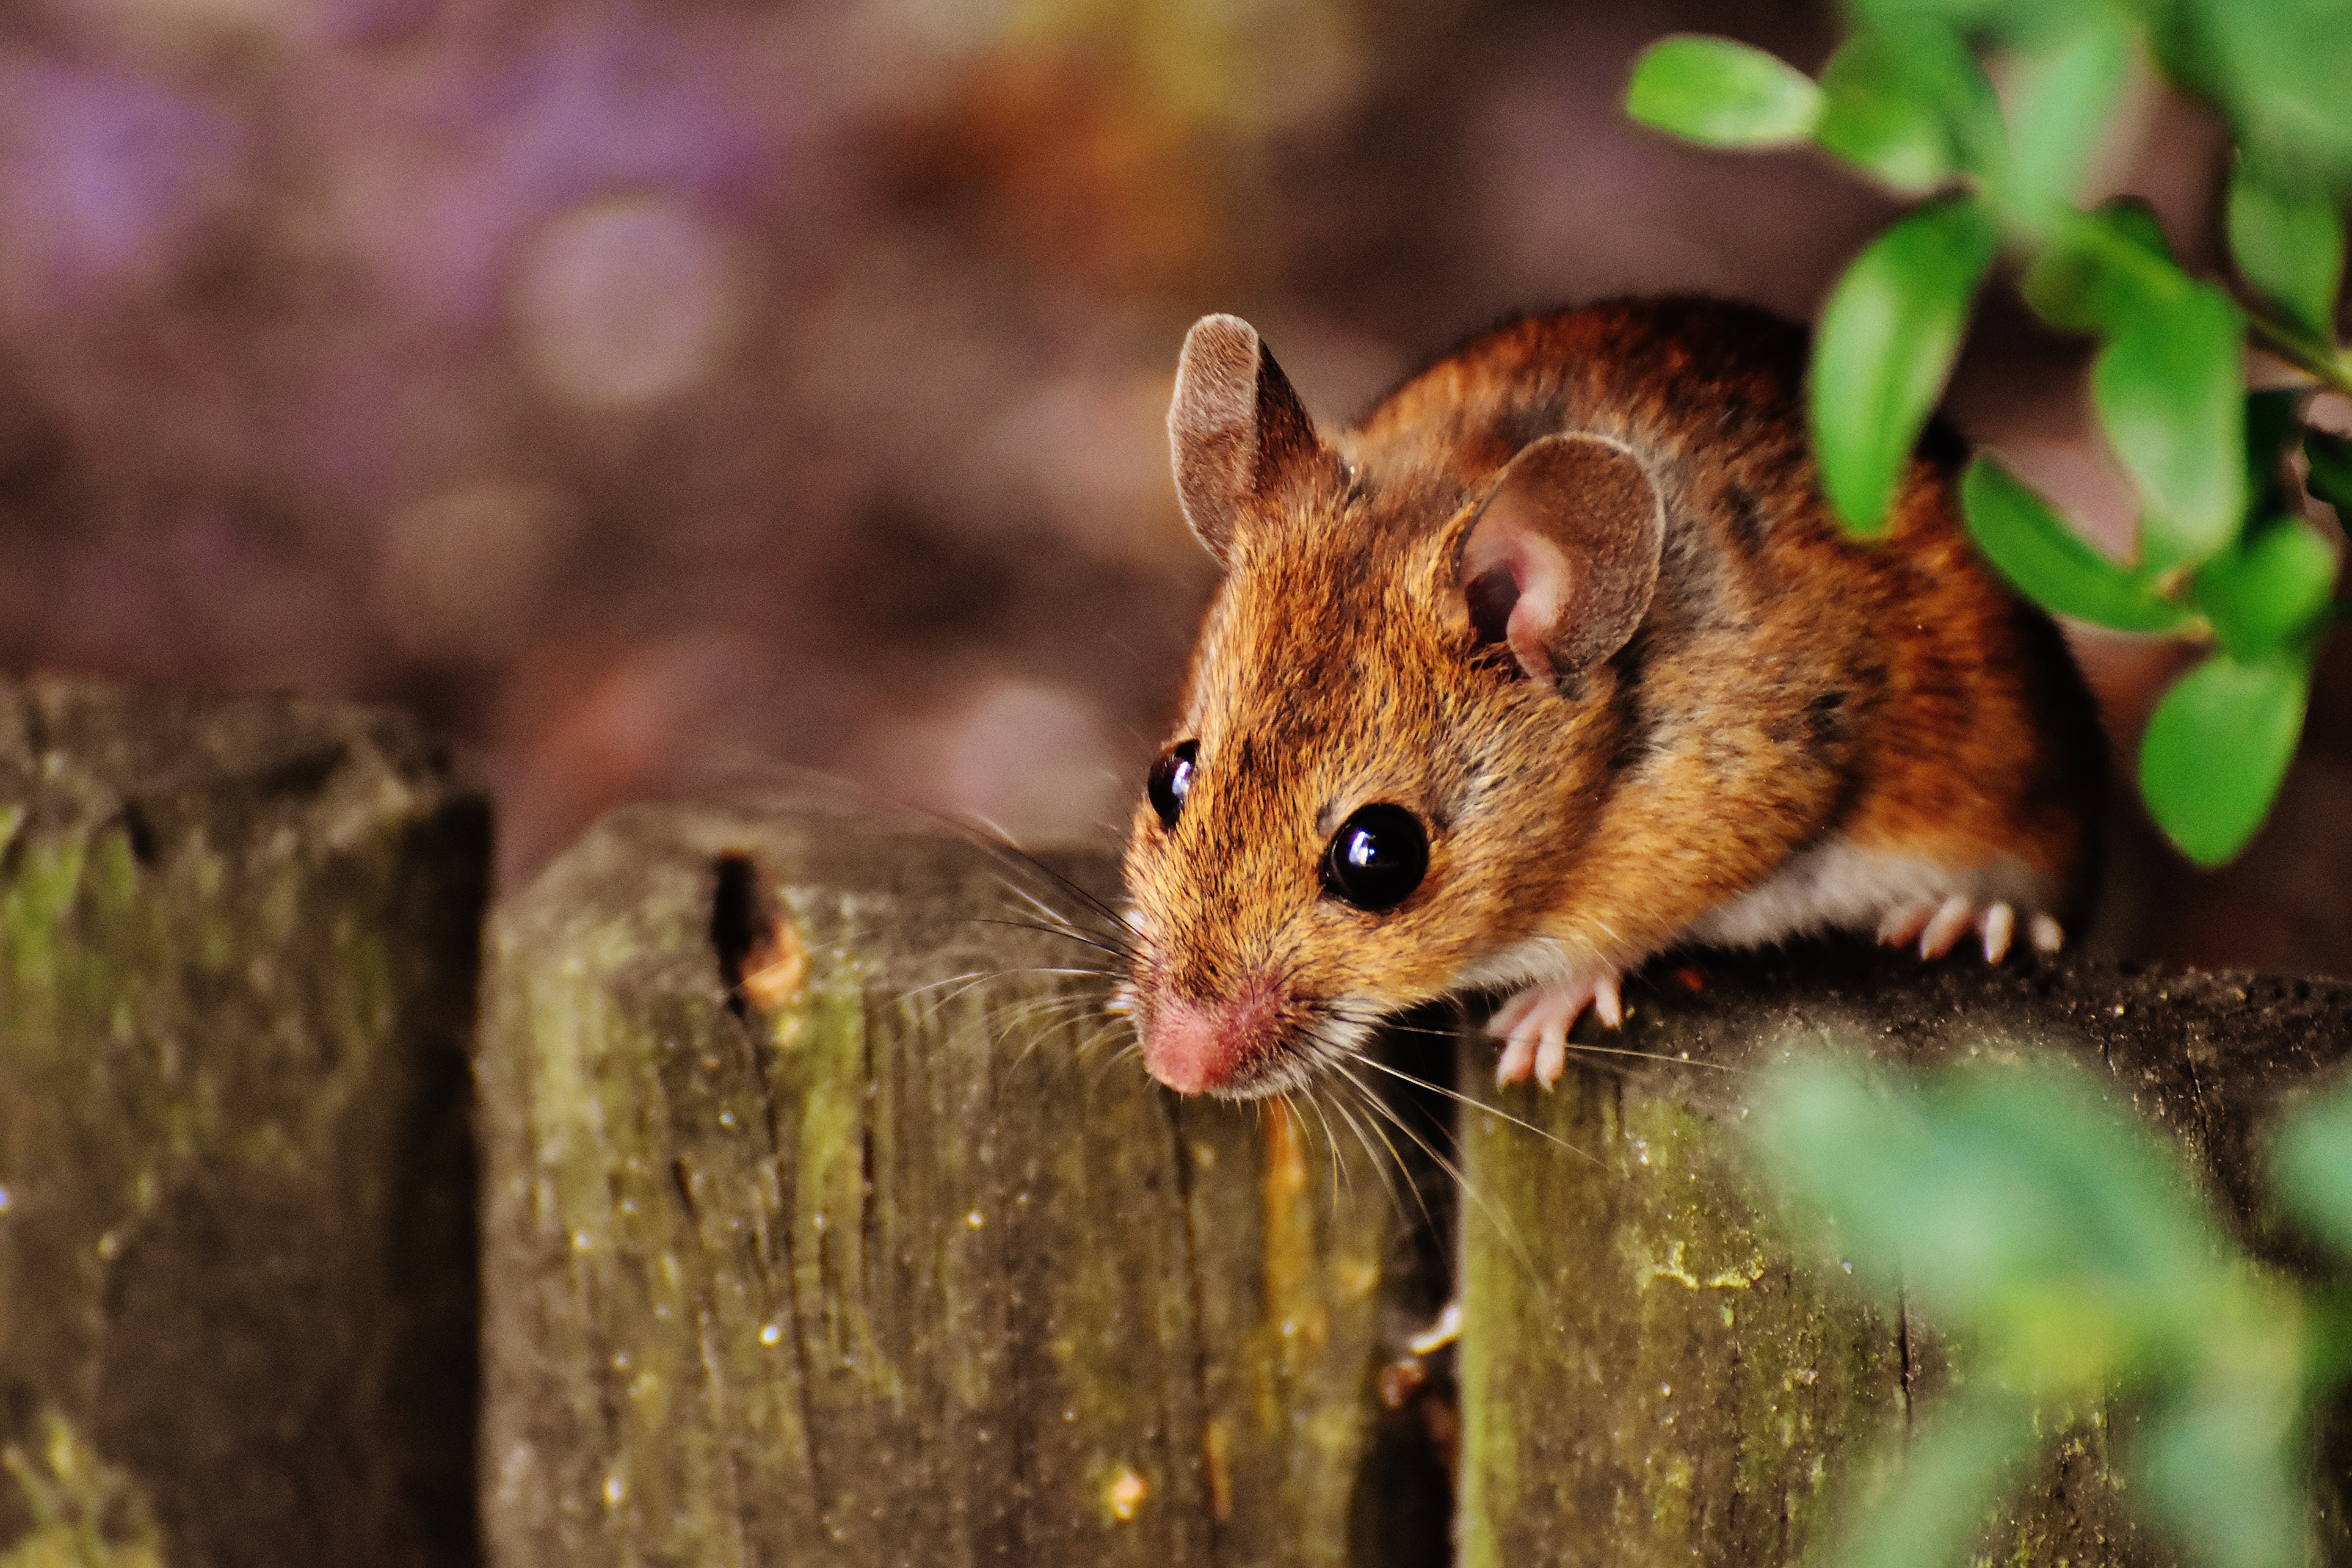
x=647, y=393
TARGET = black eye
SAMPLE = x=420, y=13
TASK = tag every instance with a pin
x=1376, y=858
x=1172, y=780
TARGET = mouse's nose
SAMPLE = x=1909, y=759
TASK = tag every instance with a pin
x=1197, y=1047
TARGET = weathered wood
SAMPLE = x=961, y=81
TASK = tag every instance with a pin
x=238, y=940
x=1649, y=1372
x=895, y=1267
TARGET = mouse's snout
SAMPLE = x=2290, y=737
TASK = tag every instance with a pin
x=1215, y=1047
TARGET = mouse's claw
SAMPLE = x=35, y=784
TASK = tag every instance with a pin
x=1902, y=925
x=1533, y=1026
x=1938, y=927
x=1997, y=926
x=1955, y=916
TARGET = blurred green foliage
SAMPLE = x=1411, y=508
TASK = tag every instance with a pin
x=2066, y=1252
x=2224, y=555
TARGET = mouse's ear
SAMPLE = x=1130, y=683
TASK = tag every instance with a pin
x=1563, y=557
x=1235, y=430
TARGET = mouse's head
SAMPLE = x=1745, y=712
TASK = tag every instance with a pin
x=1395, y=729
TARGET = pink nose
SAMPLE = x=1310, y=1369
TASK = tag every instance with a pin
x=1192, y=1046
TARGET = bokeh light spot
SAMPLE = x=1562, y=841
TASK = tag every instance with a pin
x=627, y=301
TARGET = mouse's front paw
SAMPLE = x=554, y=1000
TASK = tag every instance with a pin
x=1938, y=927
x=1533, y=1026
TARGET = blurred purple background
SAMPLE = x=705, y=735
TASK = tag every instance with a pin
x=644, y=393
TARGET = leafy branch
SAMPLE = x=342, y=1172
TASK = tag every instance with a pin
x=2226, y=556
x=2067, y=1250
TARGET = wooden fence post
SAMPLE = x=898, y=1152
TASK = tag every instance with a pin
x=1650, y=1376
x=238, y=943
x=877, y=1262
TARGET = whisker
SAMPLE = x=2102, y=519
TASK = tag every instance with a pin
x=1452, y=1169
x=1040, y=905
x=1659, y=1056
x=1039, y=1011
x=914, y=991
x=1008, y=849
x=1115, y=1062
x=1065, y=933
x=1388, y=1023
x=981, y=976
x=1115, y=935
x=1385, y=1113
x=1052, y=1016
x=926, y=1011
x=1044, y=1013
x=1391, y=1169
x=1455, y=1172
x=1057, y=971
x=1473, y=1103
x=1340, y=1181
x=1121, y=1056
x=1004, y=840
x=1094, y=1041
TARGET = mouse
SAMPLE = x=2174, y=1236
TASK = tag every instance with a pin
x=1557, y=660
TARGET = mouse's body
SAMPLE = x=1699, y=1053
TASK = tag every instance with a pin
x=1556, y=661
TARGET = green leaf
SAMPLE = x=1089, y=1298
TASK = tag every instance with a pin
x=2001, y=1200
x=2064, y=96
x=2217, y=749
x=1912, y=107
x=2311, y=1159
x=2049, y=562
x=1966, y=1457
x=1721, y=92
x=1845, y=1148
x=2011, y=22
x=2288, y=239
x=2123, y=1231
x=2270, y=589
x=1887, y=341
x=2224, y=1466
x=2169, y=391
x=2105, y=267
x=2133, y=220
x=2276, y=70
x=2330, y=480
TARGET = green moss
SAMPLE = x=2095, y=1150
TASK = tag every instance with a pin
x=1638, y=1351
x=86, y=1514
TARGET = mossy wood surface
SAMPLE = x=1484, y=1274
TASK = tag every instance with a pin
x=1651, y=1374
x=239, y=942
x=909, y=1266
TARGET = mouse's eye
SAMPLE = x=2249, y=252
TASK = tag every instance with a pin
x=1172, y=780
x=1376, y=858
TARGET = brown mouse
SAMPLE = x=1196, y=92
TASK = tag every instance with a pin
x=1556, y=661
